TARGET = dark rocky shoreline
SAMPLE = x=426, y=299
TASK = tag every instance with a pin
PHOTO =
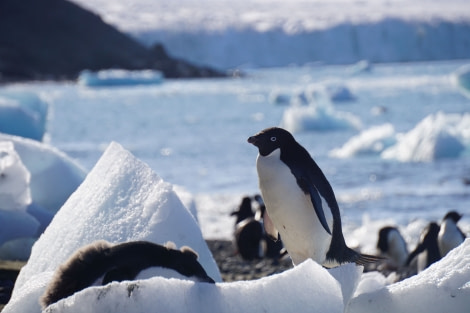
x=57, y=39
x=233, y=268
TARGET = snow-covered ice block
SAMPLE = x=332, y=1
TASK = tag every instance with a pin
x=462, y=78
x=305, y=288
x=23, y=114
x=321, y=117
x=340, y=93
x=442, y=287
x=119, y=77
x=437, y=136
x=17, y=224
x=14, y=179
x=121, y=200
x=54, y=175
x=371, y=141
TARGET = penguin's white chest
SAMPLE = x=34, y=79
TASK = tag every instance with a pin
x=398, y=252
x=449, y=237
x=292, y=212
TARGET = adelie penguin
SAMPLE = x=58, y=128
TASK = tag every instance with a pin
x=300, y=202
x=450, y=235
x=393, y=246
x=101, y=262
x=427, y=250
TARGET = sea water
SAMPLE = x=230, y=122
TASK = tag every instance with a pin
x=193, y=133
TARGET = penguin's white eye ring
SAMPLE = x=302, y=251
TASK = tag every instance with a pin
x=273, y=139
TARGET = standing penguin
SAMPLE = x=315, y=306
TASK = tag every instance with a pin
x=427, y=249
x=392, y=245
x=300, y=202
x=450, y=235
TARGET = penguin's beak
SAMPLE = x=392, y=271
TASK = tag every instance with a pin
x=253, y=140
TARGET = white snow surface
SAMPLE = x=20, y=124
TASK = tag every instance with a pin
x=228, y=34
x=443, y=287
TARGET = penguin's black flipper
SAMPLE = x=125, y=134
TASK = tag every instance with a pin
x=420, y=248
x=316, y=202
x=351, y=256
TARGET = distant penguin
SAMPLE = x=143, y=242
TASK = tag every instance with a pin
x=450, y=235
x=274, y=249
x=101, y=262
x=244, y=210
x=392, y=245
x=248, y=231
x=300, y=202
x=427, y=249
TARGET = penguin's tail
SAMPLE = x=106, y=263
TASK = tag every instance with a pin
x=364, y=259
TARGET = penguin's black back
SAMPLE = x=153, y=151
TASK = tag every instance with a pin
x=119, y=262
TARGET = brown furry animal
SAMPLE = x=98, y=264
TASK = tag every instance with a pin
x=117, y=263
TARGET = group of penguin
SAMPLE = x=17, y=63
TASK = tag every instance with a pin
x=434, y=243
x=251, y=241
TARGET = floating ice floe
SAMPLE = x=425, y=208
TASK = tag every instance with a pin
x=462, y=78
x=23, y=114
x=363, y=66
x=339, y=93
x=279, y=97
x=35, y=181
x=119, y=77
x=318, y=117
x=437, y=136
x=371, y=141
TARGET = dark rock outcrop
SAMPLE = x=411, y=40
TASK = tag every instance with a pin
x=56, y=39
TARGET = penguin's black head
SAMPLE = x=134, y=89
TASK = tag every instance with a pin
x=430, y=233
x=453, y=216
x=270, y=139
x=382, y=243
x=188, y=265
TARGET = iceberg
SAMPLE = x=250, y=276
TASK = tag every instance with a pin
x=23, y=114
x=318, y=117
x=371, y=141
x=340, y=93
x=14, y=178
x=119, y=77
x=26, y=166
x=462, y=78
x=54, y=175
x=437, y=136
